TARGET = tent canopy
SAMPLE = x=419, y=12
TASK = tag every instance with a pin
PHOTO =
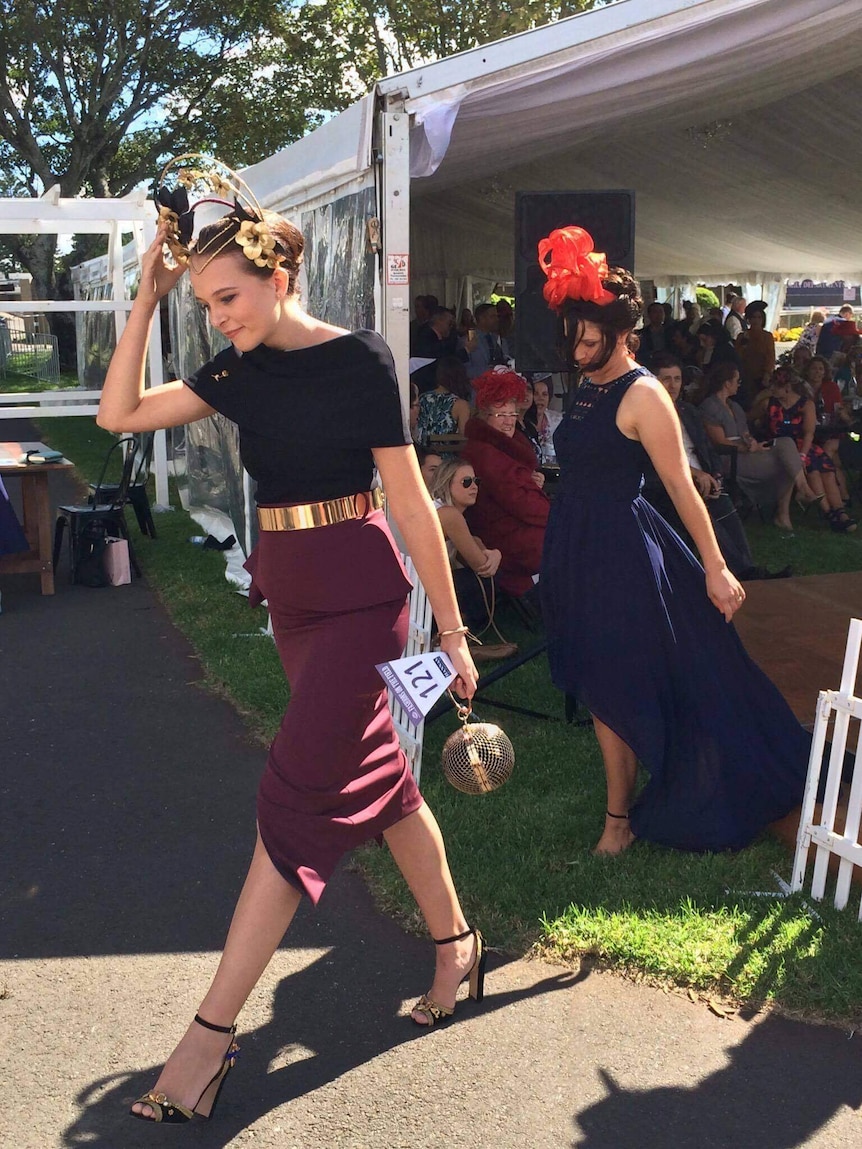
x=733, y=120
x=333, y=159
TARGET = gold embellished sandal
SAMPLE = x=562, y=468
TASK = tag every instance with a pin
x=171, y=1112
x=432, y=1010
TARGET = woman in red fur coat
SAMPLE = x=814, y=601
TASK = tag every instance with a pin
x=511, y=511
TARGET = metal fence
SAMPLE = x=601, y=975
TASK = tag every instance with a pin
x=26, y=353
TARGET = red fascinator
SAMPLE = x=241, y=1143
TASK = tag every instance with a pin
x=573, y=269
x=498, y=386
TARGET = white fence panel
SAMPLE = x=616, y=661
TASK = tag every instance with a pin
x=820, y=831
x=411, y=734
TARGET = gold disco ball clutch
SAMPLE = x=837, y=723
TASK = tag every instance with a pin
x=477, y=758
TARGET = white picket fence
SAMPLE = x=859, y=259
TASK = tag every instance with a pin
x=842, y=704
x=411, y=734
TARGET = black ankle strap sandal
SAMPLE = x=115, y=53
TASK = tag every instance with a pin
x=435, y=1013
x=171, y=1112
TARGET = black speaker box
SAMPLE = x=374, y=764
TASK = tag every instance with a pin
x=609, y=217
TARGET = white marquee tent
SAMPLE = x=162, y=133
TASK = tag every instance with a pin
x=733, y=120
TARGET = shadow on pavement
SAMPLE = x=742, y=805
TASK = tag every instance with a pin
x=338, y=1013
x=127, y=806
x=768, y=1097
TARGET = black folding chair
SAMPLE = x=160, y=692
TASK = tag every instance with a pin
x=730, y=480
x=137, y=496
x=445, y=444
x=81, y=520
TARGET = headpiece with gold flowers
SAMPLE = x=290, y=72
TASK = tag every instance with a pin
x=209, y=180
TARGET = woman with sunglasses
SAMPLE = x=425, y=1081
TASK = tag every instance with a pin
x=454, y=490
x=511, y=509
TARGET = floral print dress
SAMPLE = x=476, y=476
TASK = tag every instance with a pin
x=787, y=422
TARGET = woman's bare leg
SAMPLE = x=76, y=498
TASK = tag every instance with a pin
x=263, y=912
x=841, y=479
x=782, y=510
x=833, y=493
x=831, y=447
x=621, y=769
x=816, y=484
x=417, y=847
x=802, y=487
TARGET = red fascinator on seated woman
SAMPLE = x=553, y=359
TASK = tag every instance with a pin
x=573, y=269
x=498, y=386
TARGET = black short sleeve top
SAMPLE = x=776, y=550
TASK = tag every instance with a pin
x=308, y=418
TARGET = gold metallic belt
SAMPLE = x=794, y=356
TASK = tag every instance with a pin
x=322, y=514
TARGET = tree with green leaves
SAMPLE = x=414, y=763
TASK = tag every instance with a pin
x=94, y=99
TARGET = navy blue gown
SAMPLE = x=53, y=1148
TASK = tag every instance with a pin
x=634, y=637
x=12, y=539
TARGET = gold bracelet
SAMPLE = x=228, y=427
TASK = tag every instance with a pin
x=461, y=630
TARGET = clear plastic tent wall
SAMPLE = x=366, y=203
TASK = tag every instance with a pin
x=339, y=270
x=338, y=286
x=206, y=453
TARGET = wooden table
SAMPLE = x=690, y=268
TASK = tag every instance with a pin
x=38, y=512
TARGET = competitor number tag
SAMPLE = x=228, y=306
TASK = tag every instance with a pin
x=417, y=682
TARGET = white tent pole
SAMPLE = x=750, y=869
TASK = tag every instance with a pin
x=157, y=377
x=395, y=318
x=115, y=273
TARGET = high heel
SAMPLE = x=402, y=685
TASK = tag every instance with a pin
x=436, y=1013
x=171, y=1112
x=840, y=521
x=804, y=504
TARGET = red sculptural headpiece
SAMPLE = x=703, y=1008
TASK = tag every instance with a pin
x=573, y=269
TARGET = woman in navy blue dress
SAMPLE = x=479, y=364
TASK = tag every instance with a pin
x=12, y=540
x=638, y=630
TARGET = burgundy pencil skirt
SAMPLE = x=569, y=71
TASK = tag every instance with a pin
x=336, y=775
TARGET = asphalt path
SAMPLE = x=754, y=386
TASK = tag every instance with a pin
x=126, y=821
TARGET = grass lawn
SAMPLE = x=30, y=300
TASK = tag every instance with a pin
x=16, y=383
x=521, y=856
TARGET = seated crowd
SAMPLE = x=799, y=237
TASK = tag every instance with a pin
x=786, y=425
x=755, y=433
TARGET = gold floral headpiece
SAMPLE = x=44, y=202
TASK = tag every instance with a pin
x=210, y=180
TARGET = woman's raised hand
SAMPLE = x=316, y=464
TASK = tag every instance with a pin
x=157, y=278
x=725, y=592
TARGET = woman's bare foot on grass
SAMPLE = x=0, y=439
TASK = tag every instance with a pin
x=617, y=836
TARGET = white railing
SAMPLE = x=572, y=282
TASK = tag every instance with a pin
x=411, y=734
x=819, y=829
x=38, y=404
